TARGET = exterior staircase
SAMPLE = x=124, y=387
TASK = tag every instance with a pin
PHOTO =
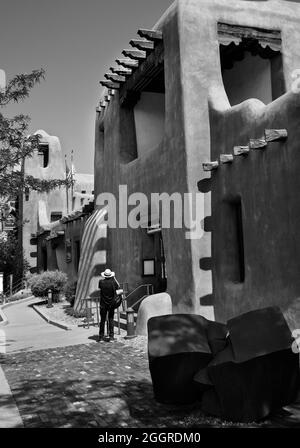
x=132, y=300
x=123, y=320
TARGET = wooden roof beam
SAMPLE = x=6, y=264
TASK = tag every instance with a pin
x=128, y=63
x=110, y=84
x=134, y=54
x=103, y=104
x=114, y=77
x=150, y=34
x=121, y=71
x=210, y=166
x=144, y=45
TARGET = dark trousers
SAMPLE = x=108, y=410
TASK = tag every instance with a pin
x=103, y=312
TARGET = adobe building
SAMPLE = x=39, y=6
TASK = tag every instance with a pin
x=53, y=221
x=40, y=209
x=207, y=103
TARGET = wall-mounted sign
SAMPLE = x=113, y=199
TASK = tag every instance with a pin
x=1, y=282
x=148, y=267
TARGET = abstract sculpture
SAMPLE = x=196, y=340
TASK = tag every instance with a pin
x=241, y=371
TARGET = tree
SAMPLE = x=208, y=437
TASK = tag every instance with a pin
x=12, y=259
x=16, y=144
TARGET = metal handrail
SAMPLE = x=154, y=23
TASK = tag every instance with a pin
x=138, y=287
x=149, y=287
x=17, y=286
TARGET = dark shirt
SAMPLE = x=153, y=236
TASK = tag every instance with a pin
x=108, y=287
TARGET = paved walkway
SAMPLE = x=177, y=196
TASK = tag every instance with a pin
x=88, y=384
x=27, y=331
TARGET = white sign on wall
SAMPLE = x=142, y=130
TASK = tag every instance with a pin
x=2, y=80
x=1, y=282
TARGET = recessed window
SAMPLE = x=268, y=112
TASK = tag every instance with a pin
x=233, y=240
x=55, y=216
x=77, y=252
x=251, y=63
x=43, y=152
x=142, y=108
x=149, y=117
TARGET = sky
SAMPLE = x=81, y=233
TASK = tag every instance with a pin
x=75, y=41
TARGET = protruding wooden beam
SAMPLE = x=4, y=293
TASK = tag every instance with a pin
x=257, y=143
x=115, y=78
x=110, y=84
x=209, y=166
x=226, y=158
x=121, y=71
x=107, y=98
x=275, y=134
x=129, y=63
x=150, y=34
x=135, y=54
x=111, y=92
x=241, y=150
x=144, y=45
x=103, y=104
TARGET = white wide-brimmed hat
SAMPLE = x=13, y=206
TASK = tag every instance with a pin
x=107, y=273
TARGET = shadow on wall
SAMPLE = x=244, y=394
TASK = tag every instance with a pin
x=92, y=258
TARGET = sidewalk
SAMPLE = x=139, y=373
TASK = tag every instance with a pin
x=93, y=385
x=27, y=331
x=9, y=413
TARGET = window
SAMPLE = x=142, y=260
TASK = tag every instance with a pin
x=55, y=216
x=77, y=252
x=149, y=117
x=44, y=259
x=251, y=63
x=43, y=153
x=234, y=257
x=26, y=194
x=142, y=111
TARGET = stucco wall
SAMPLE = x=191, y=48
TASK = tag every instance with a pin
x=53, y=201
x=267, y=182
x=203, y=85
x=154, y=171
x=197, y=109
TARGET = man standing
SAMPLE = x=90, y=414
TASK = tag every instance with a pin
x=108, y=286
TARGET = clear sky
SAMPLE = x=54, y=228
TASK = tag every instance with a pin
x=75, y=41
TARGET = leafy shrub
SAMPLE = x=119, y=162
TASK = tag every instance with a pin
x=40, y=283
x=70, y=292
